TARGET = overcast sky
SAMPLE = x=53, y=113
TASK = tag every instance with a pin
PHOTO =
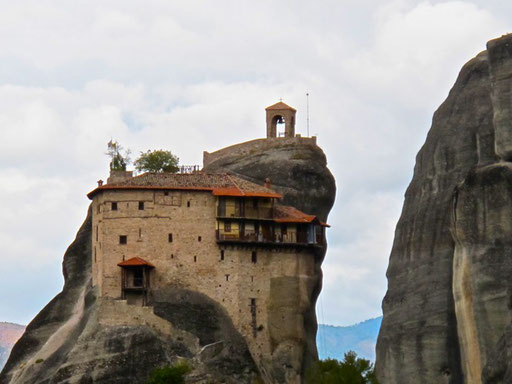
x=196, y=75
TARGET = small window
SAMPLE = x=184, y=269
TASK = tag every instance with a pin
x=98, y=208
x=170, y=237
x=123, y=239
x=222, y=255
x=227, y=277
x=254, y=257
x=253, y=302
x=227, y=226
x=166, y=193
x=114, y=205
x=141, y=205
x=188, y=204
x=94, y=254
x=199, y=238
x=195, y=259
x=96, y=233
x=172, y=255
x=252, y=279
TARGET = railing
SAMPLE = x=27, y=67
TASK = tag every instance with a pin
x=286, y=238
x=189, y=168
x=245, y=213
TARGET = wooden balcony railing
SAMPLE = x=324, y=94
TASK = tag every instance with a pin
x=245, y=213
x=287, y=238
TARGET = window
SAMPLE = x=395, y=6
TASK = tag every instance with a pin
x=199, y=238
x=166, y=193
x=252, y=279
x=195, y=259
x=123, y=239
x=227, y=277
x=254, y=257
x=188, y=204
x=141, y=205
x=222, y=255
x=96, y=233
x=172, y=255
x=114, y=205
x=170, y=237
x=94, y=254
x=227, y=226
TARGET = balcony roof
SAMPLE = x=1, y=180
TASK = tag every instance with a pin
x=136, y=262
x=286, y=214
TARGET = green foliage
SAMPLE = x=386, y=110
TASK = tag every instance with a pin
x=118, y=161
x=39, y=361
x=157, y=161
x=170, y=375
x=352, y=370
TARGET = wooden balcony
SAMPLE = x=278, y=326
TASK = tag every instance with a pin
x=269, y=238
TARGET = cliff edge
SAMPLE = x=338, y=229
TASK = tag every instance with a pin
x=81, y=338
x=447, y=312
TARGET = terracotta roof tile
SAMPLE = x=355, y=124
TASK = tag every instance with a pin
x=218, y=184
x=136, y=262
x=287, y=214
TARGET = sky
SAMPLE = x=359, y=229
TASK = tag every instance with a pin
x=190, y=76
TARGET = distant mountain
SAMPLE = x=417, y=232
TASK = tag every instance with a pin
x=361, y=338
x=9, y=334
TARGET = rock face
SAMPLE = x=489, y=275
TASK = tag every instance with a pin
x=80, y=338
x=447, y=312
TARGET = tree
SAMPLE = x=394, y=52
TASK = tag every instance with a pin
x=118, y=161
x=352, y=370
x=157, y=161
x=170, y=375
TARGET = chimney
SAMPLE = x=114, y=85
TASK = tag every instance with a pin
x=100, y=183
x=267, y=183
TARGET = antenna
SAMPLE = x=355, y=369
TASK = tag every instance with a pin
x=307, y=110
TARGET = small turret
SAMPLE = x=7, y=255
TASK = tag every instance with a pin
x=280, y=113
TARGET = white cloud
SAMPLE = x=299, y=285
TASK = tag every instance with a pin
x=194, y=76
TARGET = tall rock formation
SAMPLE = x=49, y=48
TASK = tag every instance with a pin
x=448, y=312
x=78, y=338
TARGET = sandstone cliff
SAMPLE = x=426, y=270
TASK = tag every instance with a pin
x=79, y=338
x=447, y=312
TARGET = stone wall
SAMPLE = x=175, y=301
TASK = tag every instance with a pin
x=253, y=292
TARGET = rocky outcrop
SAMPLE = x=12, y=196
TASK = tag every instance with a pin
x=447, y=311
x=80, y=338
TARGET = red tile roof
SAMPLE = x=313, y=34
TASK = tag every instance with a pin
x=218, y=184
x=136, y=262
x=286, y=214
x=279, y=106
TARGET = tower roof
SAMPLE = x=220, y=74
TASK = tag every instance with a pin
x=279, y=106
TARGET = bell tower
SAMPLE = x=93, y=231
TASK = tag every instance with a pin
x=280, y=113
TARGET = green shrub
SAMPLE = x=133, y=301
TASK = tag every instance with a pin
x=38, y=361
x=352, y=370
x=170, y=374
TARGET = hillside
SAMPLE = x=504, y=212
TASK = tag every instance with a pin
x=361, y=338
x=9, y=334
